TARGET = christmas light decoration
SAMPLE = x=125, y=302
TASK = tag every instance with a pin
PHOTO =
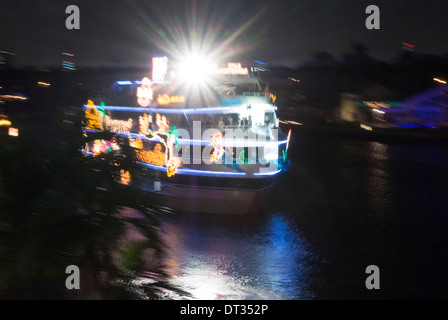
x=144, y=93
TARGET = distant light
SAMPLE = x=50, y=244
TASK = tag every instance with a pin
x=5, y=123
x=408, y=45
x=366, y=127
x=295, y=80
x=43, y=84
x=68, y=54
x=13, y=97
x=439, y=80
x=379, y=111
x=8, y=52
x=291, y=122
x=376, y=104
x=68, y=65
x=261, y=62
x=14, y=132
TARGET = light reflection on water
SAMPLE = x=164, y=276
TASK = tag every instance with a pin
x=378, y=184
x=344, y=205
x=236, y=261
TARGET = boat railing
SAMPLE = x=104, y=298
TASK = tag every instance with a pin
x=254, y=94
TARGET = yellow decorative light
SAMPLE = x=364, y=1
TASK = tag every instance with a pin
x=144, y=93
x=156, y=157
x=137, y=143
x=125, y=177
x=92, y=116
x=233, y=69
x=172, y=167
x=165, y=99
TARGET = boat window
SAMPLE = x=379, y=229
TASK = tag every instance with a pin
x=246, y=87
x=269, y=119
x=223, y=121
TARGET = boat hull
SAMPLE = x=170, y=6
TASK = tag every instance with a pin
x=189, y=198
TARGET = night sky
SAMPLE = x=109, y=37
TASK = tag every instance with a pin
x=129, y=33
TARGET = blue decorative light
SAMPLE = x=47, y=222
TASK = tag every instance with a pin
x=270, y=173
x=187, y=171
x=214, y=110
x=200, y=142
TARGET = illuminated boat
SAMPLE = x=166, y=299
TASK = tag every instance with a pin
x=212, y=149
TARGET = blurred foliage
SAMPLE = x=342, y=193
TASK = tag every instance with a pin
x=59, y=208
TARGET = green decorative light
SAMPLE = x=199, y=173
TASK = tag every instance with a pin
x=175, y=133
x=242, y=155
x=101, y=108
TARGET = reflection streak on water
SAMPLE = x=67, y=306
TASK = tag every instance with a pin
x=235, y=262
x=378, y=177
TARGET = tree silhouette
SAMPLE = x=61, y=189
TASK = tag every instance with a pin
x=59, y=209
x=359, y=54
x=323, y=58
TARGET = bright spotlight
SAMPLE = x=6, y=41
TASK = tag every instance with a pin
x=195, y=69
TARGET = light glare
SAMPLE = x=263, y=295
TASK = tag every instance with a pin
x=195, y=69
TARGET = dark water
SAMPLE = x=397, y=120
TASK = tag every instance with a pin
x=344, y=205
